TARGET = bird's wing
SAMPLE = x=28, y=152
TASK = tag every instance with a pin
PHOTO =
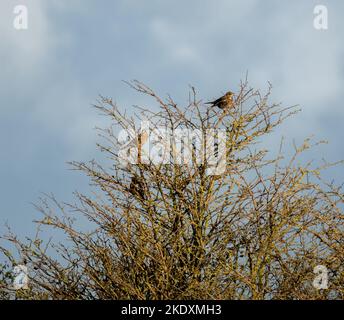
x=217, y=101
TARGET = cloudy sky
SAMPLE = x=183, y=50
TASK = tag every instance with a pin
x=74, y=50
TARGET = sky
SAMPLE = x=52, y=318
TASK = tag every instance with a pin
x=74, y=50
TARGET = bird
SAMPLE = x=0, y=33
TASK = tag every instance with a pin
x=224, y=102
x=137, y=187
x=141, y=140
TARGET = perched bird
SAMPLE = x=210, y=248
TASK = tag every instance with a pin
x=141, y=140
x=137, y=188
x=223, y=102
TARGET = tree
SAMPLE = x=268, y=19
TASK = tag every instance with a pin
x=177, y=229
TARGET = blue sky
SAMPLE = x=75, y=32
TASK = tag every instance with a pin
x=75, y=50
